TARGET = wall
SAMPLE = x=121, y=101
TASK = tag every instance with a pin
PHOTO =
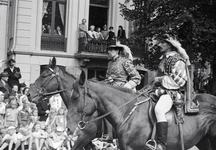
x=3, y=34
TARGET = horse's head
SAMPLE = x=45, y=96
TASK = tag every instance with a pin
x=83, y=100
x=82, y=108
x=47, y=82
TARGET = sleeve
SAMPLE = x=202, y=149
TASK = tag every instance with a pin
x=18, y=73
x=134, y=76
x=177, y=77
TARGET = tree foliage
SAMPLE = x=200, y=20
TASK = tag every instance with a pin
x=192, y=22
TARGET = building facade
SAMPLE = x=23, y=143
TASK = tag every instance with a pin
x=34, y=31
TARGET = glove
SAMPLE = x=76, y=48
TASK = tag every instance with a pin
x=130, y=85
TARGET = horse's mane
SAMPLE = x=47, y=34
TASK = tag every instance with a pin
x=113, y=87
x=66, y=72
x=207, y=116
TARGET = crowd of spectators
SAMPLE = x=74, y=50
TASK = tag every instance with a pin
x=95, y=33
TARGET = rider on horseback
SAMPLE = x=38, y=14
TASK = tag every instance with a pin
x=170, y=81
x=121, y=71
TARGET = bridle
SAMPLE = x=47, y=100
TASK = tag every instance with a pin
x=42, y=90
x=82, y=124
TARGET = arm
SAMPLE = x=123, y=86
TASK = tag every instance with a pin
x=134, y=76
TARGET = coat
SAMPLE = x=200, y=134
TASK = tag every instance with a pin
x=42, y=107
x=5, y=88
x=14, y=76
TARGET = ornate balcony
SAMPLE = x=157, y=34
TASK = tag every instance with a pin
x=98, y=49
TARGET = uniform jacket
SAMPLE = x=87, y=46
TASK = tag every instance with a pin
x=14, y=76
x=42, y=106
x=121, y=34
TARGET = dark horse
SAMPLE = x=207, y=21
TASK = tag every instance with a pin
x=56, y=79
x=133, y=133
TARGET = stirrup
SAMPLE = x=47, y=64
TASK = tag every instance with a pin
x=151, y=144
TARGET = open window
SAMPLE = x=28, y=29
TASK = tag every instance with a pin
x=53, y=25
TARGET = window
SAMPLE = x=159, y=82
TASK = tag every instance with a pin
x=53, y=25
x=98, y=13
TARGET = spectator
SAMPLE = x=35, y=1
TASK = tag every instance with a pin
x=92, y=33
x=105, y=33
x=12, y=112
x=121, y=33
x=51, y=120
x=43, y=108
x=111, y=34
x=83, y=29
x=4, y=87
x=56, y=102
x=98, y=33
x=10, y=138
x=2, y=110
x=24, y=116
x=14, y=91
x=21, y=87
x=25, y=90
x=34, y=118
x=38, y=136
x=61, y=120
x=13, y=72
x=24, y=137
x=58, y=31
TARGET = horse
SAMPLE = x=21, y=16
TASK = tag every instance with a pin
x=134, y=128
x=56, y=80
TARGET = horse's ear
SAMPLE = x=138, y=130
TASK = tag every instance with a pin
x=53, y=63
x=82, y=78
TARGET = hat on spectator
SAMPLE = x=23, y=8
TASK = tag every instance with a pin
x=11, y=127
x=4, y=74
x=60, y=129
x=11, y=61
x=22, y=84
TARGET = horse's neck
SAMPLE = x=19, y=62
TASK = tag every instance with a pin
x=110, y=100
x=66, y=84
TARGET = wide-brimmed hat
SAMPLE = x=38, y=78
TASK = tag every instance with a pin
x=11, y=127
x=4, y=74
x=113, y=45
x=175, y=43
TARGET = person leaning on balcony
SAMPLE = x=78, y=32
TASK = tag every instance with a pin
x=83, y=29
x=92, y=33
x=105, y=33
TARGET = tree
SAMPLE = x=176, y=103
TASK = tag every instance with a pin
x=192, y=21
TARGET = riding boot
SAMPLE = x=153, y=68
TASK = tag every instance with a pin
x=109, y=137
x=161, y=131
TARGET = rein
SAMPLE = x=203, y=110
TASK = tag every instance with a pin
x=82, y=124
x=42, y=91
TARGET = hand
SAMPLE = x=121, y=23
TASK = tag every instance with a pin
x=47, y=111
x=127, y=86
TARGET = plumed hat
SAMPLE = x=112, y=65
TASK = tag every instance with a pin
x=125, y=50
x=175, y=43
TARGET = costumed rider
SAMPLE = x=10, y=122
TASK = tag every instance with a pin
x=170, y=80
x=121, y=71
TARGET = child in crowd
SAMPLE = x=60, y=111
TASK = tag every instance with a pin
x=61, y=120
x=12, y=112
x=24, y=116
x=34, y=118
x=38, y=136
x=57, y=139
x=24, y=137
x=51, y=120
x=10, y=138
x=2, y=110
x=14, y=91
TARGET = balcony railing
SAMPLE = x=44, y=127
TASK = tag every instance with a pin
x=94, y=46
x=100, y=46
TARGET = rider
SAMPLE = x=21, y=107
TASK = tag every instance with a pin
x=121, y=71
x=171, y=78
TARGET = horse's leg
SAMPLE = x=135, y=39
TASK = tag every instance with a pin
x=204, y=144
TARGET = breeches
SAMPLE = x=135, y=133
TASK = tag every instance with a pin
x=163, y=105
